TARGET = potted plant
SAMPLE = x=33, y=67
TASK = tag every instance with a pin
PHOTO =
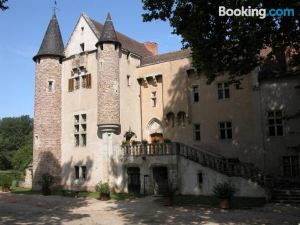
x=46, y=182
x=5, y=184
x=104, y=191
x=224, y=191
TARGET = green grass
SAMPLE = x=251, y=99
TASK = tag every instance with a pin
x=236, y=202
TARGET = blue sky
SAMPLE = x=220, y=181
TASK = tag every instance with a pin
x=23, y=27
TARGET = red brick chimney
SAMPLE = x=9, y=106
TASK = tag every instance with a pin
x=152, y=47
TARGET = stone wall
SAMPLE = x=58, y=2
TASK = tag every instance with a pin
x=47, y=120
x=108, y=85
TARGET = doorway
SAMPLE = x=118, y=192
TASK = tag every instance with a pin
x=134, y=182
x=160, y=177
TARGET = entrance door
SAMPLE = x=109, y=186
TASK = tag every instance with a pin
x=134, y=183
x=160, y=177
x=156, y=138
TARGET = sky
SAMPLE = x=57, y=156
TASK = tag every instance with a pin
x=23, y=27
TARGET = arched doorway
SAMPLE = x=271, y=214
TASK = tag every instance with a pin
x=155, y=130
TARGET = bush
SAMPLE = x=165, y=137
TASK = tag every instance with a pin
x=9, y=176
x=103, y=188
x=224, y=190
x=46, y=183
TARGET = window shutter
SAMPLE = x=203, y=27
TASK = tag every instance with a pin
x=89, y=81
x=71, y=85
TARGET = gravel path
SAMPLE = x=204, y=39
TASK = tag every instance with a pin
x=54, y=210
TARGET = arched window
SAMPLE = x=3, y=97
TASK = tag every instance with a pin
x=181, y=118
x=171, y=119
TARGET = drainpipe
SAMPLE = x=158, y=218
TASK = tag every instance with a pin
x=141, y=111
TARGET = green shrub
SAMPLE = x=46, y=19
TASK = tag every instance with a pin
x=103, y=188
x=9, y=176
x=224, y=190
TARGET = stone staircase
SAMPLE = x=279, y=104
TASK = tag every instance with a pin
x=286, y=196
x=226, y=166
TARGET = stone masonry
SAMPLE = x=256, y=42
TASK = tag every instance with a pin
x=108, y=85
x=47, y=120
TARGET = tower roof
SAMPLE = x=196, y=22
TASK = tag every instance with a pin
x=52, y=44
x=108, y=34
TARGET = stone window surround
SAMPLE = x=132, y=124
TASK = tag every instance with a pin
x=80, y=129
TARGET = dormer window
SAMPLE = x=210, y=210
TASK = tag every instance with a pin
x=82, y=47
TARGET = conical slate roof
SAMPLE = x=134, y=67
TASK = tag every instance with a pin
x=52, y=44
x=108, y=34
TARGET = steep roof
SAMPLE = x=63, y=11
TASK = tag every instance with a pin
x=166, y=57
x=52, y=44
x=108, y=33
x=126, y=42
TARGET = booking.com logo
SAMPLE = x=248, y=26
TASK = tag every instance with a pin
x=251, y=12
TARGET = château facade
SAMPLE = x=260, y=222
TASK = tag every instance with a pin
x=109, y=108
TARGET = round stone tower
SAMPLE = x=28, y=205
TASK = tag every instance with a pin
x=47, y=105
x=109, y=50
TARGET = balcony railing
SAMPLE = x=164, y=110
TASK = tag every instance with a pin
x=229, y=167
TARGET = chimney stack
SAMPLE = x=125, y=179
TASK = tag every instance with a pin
x=152, y=47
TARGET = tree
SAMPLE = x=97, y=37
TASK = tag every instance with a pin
x=15, y=136
x=3, y=5
x=222, y=44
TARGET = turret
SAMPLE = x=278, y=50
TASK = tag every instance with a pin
x=47, y=105
x=109, y=49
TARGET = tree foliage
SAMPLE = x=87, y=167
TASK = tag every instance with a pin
x=15, y=142
x=228, y=44
x=3, y=5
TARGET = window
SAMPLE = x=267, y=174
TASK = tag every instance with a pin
x=83, y=139
x=82, y=28
x=181, y=117
x=76, y=172
x=153, y=99
x=196, y=93
x=291, y=166
x=80, y=172
x=77, y=83
x=197, y=134
x=275, y=123
x=50, y=87
x=128, y=80
x=171, y=119
x=200, y=179
x=223, y=90
x=80, y=128
x=83, y=172
x=80, y=79
x=225, y=130
x=76, y=140
x=82, y=47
